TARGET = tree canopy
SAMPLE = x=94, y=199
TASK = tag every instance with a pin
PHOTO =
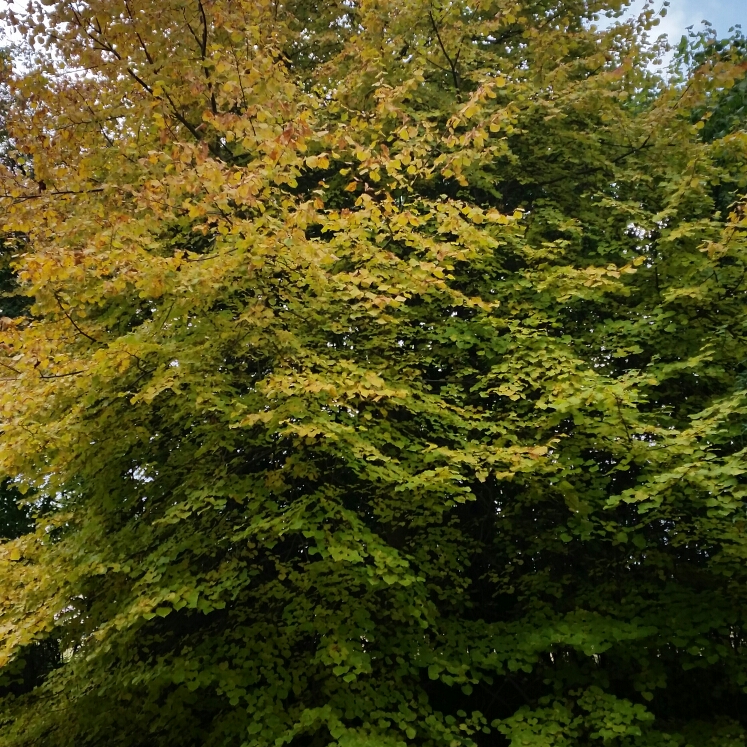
x=375, y=375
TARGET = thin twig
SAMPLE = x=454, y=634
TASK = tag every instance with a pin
x=55, y=194
x=72, y=321
x=61, y=376
x=11, y=368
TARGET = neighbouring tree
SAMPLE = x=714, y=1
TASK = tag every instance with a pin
x=381, y=378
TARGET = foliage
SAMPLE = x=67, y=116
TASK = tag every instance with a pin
x=725, y=109
x=383, y=380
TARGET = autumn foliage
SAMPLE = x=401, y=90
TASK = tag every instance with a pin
x=374, y=373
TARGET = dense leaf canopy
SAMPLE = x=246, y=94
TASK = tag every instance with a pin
x=375, y=372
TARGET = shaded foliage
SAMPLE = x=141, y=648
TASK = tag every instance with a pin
x=383, y=380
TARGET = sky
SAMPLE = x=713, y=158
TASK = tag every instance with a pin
x=683, y=13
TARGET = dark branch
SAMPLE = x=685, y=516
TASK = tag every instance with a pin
x=72, y=321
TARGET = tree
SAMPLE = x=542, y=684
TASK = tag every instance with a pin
x=383, y=380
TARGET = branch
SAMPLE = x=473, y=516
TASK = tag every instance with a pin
x=72, y=321
x=203, y=51
x=202, y=47
x=137, y=33
x=204, y=29
x=106, y=46
x=595, y=169
x=11, y=368
x=618, y=402
x=55, y=194
x=452, y=63
x=61, y=376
